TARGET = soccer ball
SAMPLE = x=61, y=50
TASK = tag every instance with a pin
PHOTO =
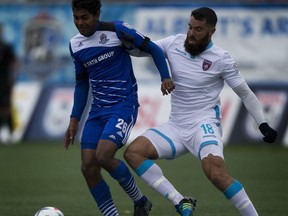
x=49, y=211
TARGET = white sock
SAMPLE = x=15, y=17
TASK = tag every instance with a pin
x=152, y=174
x=239, y=198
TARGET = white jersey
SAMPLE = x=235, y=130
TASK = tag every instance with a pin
x=198, y=79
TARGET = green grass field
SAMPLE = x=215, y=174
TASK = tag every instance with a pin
x=34, y=175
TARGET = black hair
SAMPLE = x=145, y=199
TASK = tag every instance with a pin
x=205, y=13
x=92, y=6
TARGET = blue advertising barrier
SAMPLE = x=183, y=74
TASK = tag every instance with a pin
x=51, y=116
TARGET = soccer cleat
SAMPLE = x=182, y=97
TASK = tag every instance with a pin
x=186, y=206
x=142, y=209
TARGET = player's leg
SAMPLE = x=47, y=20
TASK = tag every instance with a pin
x=1, y=125
x=2, y=108
x=4, y=114
x=118, y=169
x=10, y=122
x=214, y=168
x=140, y=154
x=91, y=169
x=114, y=136
x=210, y=151
x=5, y=133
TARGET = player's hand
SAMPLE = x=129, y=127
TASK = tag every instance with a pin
x=269, y=133
x=167, y=86
x=70, y=133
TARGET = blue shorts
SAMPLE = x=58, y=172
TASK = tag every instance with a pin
x=115, y=127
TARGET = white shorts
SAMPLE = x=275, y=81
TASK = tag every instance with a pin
x=201, y=139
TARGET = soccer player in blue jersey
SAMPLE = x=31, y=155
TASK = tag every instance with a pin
x=102, y=63
x=199, y=69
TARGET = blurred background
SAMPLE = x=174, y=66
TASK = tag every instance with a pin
x=255, y=32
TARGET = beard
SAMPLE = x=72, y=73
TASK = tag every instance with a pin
x=197, y=48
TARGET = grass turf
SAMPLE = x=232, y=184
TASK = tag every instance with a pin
x=34, y=175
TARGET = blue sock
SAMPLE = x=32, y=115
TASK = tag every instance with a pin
x=233, y=189
x=124, y=177
x=237, y=195
x=102, y=195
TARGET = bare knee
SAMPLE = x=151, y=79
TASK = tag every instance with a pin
x=85, y=170
x=91, y=173
x=107, y=161
x=138, y=151
x=215, y=170
x=88, y=168
x=131, y=153
x=105, y=155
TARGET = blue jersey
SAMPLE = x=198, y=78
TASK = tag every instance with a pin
x=102, y=59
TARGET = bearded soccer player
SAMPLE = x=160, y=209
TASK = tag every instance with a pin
x=199, y=69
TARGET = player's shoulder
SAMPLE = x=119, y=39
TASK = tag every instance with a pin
x=179, y=36
x=172, y=39
x=107, y=26
x=220, y=53
x=176, y=37
x=217, y=50
x=76, y=38
x=113, y=26
x=120, y=24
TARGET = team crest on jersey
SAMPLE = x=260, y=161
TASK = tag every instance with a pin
x=206, y=64
x=103, y=39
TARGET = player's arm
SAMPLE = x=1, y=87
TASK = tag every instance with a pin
x=81, y=91
x=80, y=96
x=80, y=99
x=255, y=110
x=235, y=80
x=132, y=39
x=138, y=53
x=167, y=85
